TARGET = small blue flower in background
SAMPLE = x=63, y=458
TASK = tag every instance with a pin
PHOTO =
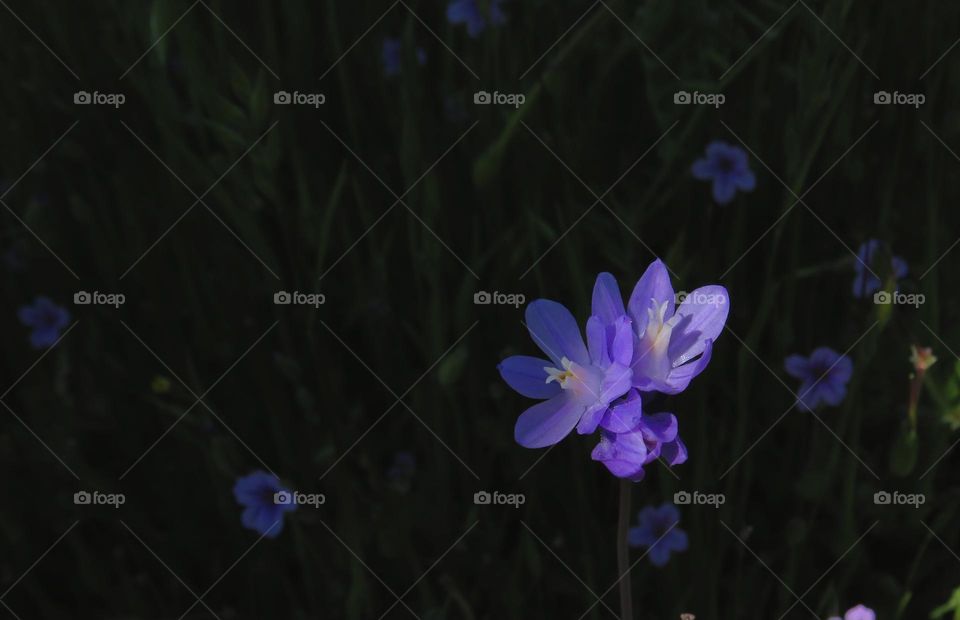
x=265, y=502
x=657, y=530
x=857, y=613
x=402, y=470
x=866, y=283
x=726, y=165
x=469, y=12
x=823, y=377
x=47, y=320
x=393, y=58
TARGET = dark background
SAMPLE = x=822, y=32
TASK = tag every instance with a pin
x=306, y=199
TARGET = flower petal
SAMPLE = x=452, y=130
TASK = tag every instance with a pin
x=526, y=375
x=625, y=416
x=548, y=422
x=653, y=285
x=797, y=367
x=703, y=314
x=660, y=427
x=674, y=452
x=680, y=377
x=607, y=303
x=555, y=331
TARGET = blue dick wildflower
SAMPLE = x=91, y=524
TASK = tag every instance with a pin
x=823, y=377
x=47, y=320
x=859, y=612
x=576, y=384
x=867, y=281
x=265, y=502
x=472, y=13
x=393, y=58
x=657, y=530
x=727, y=167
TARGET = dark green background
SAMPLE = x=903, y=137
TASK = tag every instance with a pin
x=494, y=206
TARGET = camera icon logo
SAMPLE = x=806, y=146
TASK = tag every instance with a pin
x=482, y=298
x=82, y=298
x=282, y=298
x=881, y=498
x=881, y=97
x=482, y=98
x=481, y=498
x=282, y=498
x=81, y=498
x=281, y=97
x=680, y=297
x=681, y=97
x=882, y=297
x=681, y=498
x=81, y=97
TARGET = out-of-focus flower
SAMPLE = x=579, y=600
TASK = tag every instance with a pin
x=823, y=377
x=471, y=13
x=727, y=167
x=393, y=57
x=657, y=530
x=265, y=502
x=47, y=320
x=857, y=613
x=922, y=358
x=866, y=282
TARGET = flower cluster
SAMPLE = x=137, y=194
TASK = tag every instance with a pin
x=859, y=612
x=650, y=345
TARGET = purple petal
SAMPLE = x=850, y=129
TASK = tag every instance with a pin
x=597, y=341
x=703, y=170
x=527, y=376
x=621, y=350
x=548, y=422
x=680, y=377
x=703, y=314
x=607, y=303
x=724, y=189
x=623, y=455
x=746, y=181
x=797, y=366
x=653, y=285
x=555, y=331
x=674, y=452
x=660, y=427
x=625, y=416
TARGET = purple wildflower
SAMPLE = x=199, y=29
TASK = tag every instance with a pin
x=865, y=282
x=823, y=377
x=469, y=12
x=671, y=345
x=657, y=530
x=265, y=502
x=47, y=320
x=727, y=166
x=393, y=59
x=576, y=384
x=859, y=612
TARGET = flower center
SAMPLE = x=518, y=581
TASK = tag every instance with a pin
x=562, y=377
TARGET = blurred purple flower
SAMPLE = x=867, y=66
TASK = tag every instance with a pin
x=857, y=613
x=576, y=384
x=469, y=12
x=865, y=282
x=265, y=502
x=666, y=338
x=47, y=320
x=657, y=530
x=727, y=166
x=823, y=377
x=393, y=57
